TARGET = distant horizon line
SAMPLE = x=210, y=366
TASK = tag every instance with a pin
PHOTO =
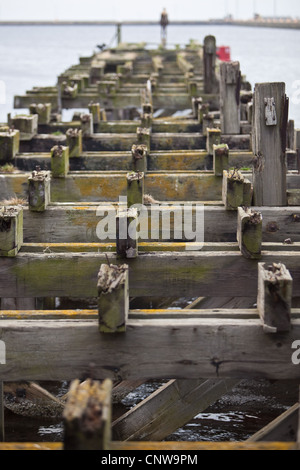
x=271, y=22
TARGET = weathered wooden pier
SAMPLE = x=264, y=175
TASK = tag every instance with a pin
x=201, y=173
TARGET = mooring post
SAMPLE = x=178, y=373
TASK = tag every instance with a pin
x=135, y=188
x=113, y=298
x=274, y=297
x=144, y=137
x=209, y=61
x=43, y=110
x=74, y=142
x=39, y=190
x=230, y=87
x=9, y=144
x=236, y=190
x=220, y=159
x=11, y=230
x=249, y=232
x=213, y=138
x=59, y=161
x=139, y=158
x=269, y=144
x=126, y=233
x=87, y=416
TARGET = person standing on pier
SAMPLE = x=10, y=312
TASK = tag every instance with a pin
x=164, y=21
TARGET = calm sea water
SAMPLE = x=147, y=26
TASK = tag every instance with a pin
x=34, y=56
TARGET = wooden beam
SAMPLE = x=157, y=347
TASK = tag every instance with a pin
x=75, y=223
x=168, y=408
x=190, y=348
x=188, y=273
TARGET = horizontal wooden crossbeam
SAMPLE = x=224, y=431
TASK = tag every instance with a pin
x=185, y=348
x=160, y=274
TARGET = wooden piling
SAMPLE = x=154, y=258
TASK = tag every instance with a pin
x=11, y=230
x=43, y=110
x=269, y=144
x=236, y=190
x=144, y=137
x=139, y=158
x=213, y=138
x=249, y=232
x=135, y=188
x=74, y=142
x=230, y=86
x=209, y=63
x=39, y=190
x=87, y=416
x=26, y=124
x=220, y=159
x=126, y=233
x=274, y=297
x=9, y=145
x=87, y=126
x=113, y=298
x=59, y=161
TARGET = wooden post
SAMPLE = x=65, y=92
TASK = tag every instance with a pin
x=11, y=230
x=144, y=137
x=209, y=63
x=139, y=157
x=146, y=120
x=95, y=111
x=196, y=103
x=213, y=138
x=113, y=298
x=236, y=190
x=249, y=232
x=269, y=144
x=203, y=110
x=230, y=86
x=87, y=126
x=27, y=125
x=59, y=161
x=207, y=123
x=9, y=145
x=119, y=33
x=39, y=190
x=297, y=139
x=43, y=110
x=126, y=234
x=290, y=140
x=135, y=188
x=220, y=159
x=87, y=416
x=274, y=297
x=74, y=142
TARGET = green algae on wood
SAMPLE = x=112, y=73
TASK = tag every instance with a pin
x=11, y=230
x=39, y=190
x=9, y=144
x=59, y=161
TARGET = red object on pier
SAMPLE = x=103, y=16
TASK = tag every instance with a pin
x=224, y=53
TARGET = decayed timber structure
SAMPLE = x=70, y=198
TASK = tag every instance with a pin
x=167, y=129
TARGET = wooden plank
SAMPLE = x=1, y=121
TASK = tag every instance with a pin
x=186, y=274
x=168, y=408
x=122, y=161
x=77, y=223
x=211, y=348
x=160, y=446
x=283, y=429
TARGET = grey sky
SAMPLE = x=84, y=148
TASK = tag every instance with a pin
x=142, y=10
